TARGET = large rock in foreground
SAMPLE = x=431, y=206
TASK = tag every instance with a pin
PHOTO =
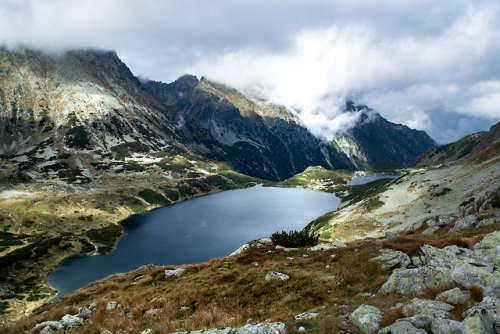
x=272, y=328
x=366, y=318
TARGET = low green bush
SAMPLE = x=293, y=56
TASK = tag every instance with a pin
x=294, y=239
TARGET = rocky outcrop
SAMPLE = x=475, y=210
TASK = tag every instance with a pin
x=174, y=272
x=413, y=281
x=454, y=296
x=464, y=266
x=392, y=259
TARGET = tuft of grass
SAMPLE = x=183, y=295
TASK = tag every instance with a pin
x=443, y=192
x=476, y=292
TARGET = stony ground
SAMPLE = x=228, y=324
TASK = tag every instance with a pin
x=420, y=195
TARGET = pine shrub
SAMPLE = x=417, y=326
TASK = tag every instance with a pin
x=294, y=239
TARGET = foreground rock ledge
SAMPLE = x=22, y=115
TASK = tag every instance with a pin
x=272, y=328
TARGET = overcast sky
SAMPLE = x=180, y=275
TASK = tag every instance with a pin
x=432, y=65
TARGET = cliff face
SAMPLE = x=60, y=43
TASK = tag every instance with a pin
x=260, y=140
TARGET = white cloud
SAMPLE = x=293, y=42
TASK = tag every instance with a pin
x=411, y=60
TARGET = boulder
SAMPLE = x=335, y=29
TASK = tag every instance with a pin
x=174, y=272
x=488, y=304
x=487, y=222
x=111, y=305
x=444, y=326
x=454, y=296
x=465, y=222
x=422, y=312
x=447, y=257
x=488, y=249
x=391, y=259
x=53, y=324
x=147, y=331
x=426, y=306
x=47, y=330
x=305, y=316
x=401, y=327
x=414, y=281
x=366, y=318
x=153, y=312
x=327, y=245
x=84, y=312
x=276, y=276
x=240, y=250
x=286, y=249
x=106, y=332
x=71, y=322
x=467, y=274
x=479, y=321
x=439, y=221
x=430, y=230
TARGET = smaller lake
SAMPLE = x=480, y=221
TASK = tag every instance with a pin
x=357, y=180
x=197, y=230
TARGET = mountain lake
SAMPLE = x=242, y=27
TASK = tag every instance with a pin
x=196, y=230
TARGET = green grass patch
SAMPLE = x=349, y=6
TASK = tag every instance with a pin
x=153, y=197
x=241, y=180
x=316, y=173
x=325, y=235
x=105, y=237
x=321, y=221
x=359, y=192
x=373, y=203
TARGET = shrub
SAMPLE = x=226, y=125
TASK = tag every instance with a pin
x=295, y=238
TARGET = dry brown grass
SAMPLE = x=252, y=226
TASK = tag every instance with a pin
x=432, y=291
x=391, y=315
x=220, y=298
x=476, y=292
x=411, y=243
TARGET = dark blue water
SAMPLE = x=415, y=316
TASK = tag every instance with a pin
x=357, y=180
x=197, y=230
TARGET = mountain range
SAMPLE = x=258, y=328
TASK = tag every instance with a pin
x=88, y=103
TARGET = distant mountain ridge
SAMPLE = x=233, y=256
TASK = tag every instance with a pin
x=460, y=149
x=88, y=103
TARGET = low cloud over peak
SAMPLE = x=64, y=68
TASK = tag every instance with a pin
x=416, y=62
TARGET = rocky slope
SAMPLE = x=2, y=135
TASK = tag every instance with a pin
x=260, y=140
x=378, y=144
x=446, y=191
x=422, y=258
x=459, y=149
